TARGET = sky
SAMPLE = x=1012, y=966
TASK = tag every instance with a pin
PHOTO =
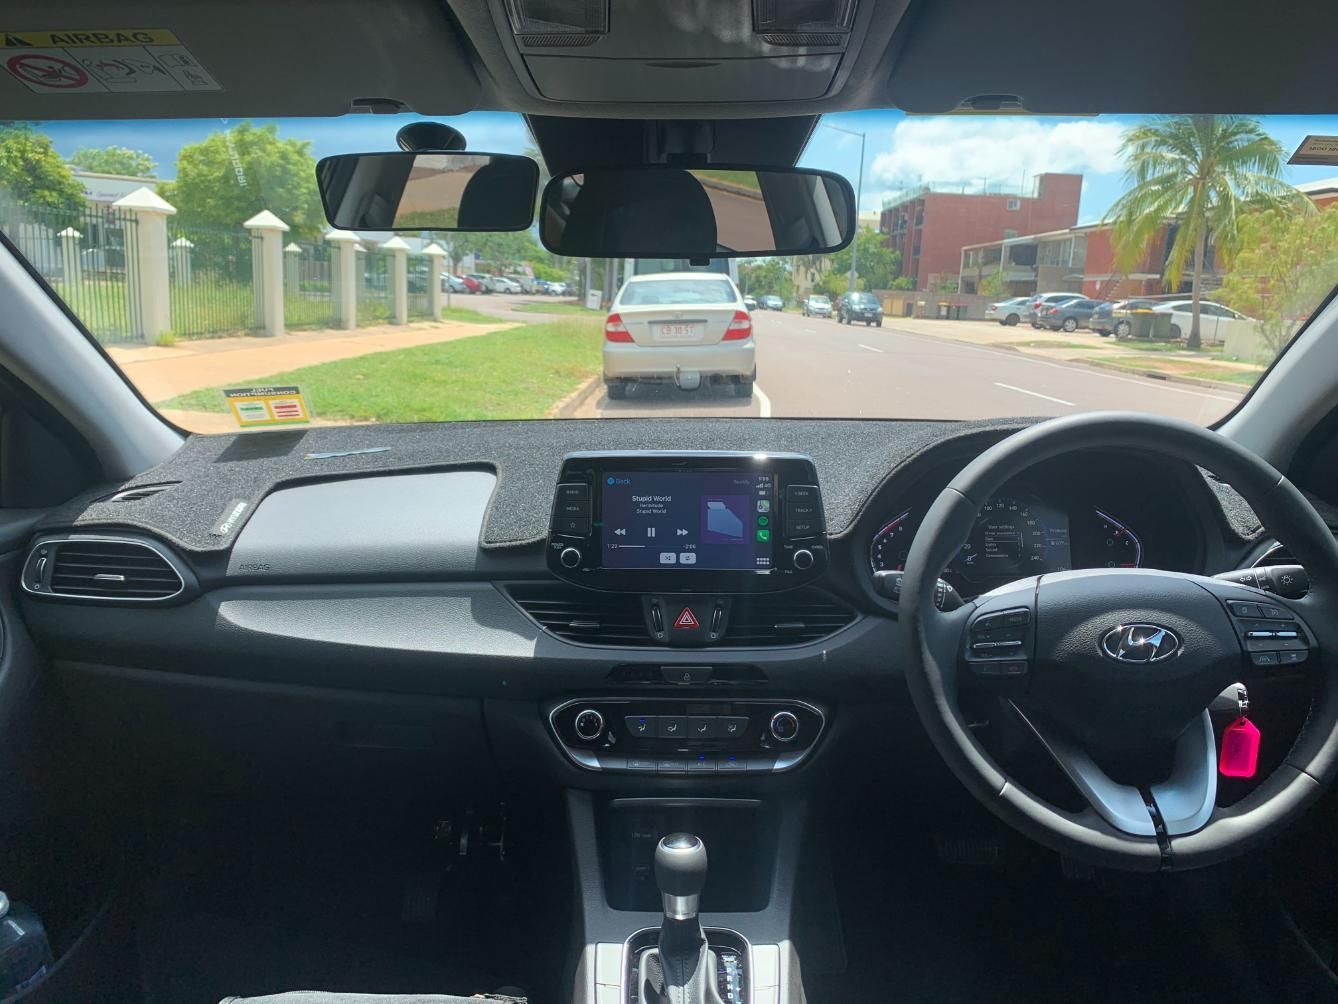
x=900, y=151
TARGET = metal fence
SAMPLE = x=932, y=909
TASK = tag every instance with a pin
x=85, y=255
x=308, y=282
x=374, y=295
x=211, y=272
x=419, y=281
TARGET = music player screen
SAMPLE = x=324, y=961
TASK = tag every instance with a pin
x=689, y=519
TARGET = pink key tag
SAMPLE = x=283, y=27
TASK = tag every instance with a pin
x=1240, y=749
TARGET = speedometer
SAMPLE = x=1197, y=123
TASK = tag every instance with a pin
x=1014, y=536
x=891, y=544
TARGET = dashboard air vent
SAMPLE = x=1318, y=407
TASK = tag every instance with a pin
x=105, y=569
x=585, y=615
x=138, y=494
x=791, y=618
x=598, y=618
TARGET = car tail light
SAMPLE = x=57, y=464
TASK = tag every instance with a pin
x=615, y=330
x=739, y=328
x=1052, y=310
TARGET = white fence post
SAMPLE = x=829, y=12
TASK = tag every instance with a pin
x=147, y=267
x=181, y=249
x=72, y=266
x=399, y=279
x=269, y=294
x=435, y=270
x=344, y=277
x=292, y=269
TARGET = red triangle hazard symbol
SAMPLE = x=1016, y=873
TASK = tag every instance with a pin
x=686, y=620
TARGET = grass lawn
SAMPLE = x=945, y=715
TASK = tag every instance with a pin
x=1045, y=343
x=467, y=315
x=518, y=373
x=557, y=308
x=1197, y=369
x=1142, y=345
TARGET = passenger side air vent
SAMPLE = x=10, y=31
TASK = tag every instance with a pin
x=585, y=615
x=793, y=618
x=100, y=568
x=138, y=494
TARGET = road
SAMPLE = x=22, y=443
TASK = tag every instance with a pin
x=813, y=367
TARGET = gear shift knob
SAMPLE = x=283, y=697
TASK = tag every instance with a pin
x=680, y=872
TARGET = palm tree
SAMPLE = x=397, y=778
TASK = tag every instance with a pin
x=1203, y=172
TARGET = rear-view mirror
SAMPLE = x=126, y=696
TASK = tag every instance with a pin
x=656, y=211
x=428, y=191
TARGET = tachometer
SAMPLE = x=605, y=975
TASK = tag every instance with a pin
x=891, y=544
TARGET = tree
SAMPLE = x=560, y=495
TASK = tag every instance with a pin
x=32, y=173
x=500, y=249
x=231, y=175
x=1286, y=265
x=1205, y=172
x=876, y=266
x=903, y=282
x=991, y=284
x=114, y=160
x=767, y=277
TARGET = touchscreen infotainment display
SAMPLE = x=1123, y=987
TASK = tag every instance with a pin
x=688, y=519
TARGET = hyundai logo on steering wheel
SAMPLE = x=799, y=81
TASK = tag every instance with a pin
x=1140, y=643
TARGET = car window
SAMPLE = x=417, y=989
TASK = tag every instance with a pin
x=196, y=253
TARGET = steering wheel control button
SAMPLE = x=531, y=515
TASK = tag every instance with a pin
x=1272, y=612
x=640, y=726
x=784, y=726
x=589, y=725
x=1246, y=610
x=1266, y=658
x=570, y=557
x=1290, y=658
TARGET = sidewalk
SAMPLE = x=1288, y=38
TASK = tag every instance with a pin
x=163, y=372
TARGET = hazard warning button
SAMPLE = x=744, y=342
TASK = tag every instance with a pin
x=687, y=620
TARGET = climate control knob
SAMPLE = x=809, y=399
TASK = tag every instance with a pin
x=784, y=726
x=570, y=557
x=803, y=559
x=589, y=725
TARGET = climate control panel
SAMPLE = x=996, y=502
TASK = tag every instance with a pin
x=682, y=737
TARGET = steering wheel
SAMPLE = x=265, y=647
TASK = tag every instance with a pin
x=1113, y=669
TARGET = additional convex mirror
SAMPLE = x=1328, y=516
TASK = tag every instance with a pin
x=655, y=211
x=428, y=191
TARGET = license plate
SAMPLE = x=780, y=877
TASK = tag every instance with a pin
x=677, y=332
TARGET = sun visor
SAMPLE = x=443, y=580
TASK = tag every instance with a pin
x=270, y=58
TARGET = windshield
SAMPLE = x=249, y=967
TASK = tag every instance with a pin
x=196, y=252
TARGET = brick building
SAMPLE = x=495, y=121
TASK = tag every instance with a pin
x=1075, y=259
x=931, y=226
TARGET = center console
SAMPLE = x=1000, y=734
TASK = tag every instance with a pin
x=687, y=522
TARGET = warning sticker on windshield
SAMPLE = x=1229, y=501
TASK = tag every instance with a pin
x=1321, y=150
x=128, y=60
x=254, y=407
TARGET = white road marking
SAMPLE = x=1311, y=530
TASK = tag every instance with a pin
x=869, y=347
x=763, y=402
x=1023, y=390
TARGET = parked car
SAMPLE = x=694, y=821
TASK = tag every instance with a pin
x=484, y=281
x=1008, y=312
x=1114, y=318
x=817, y=305
x=688, y=328
x=1041, y=300
x=471, y=283
x=772, y=302
x=506, y=284
x=859, y=306
x=750, y=302
x=558, y=289
x=1213, y=319
x=453, y=284
x=1068, y=316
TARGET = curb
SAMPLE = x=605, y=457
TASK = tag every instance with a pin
x=1166, y=377
x=1101, y=364
x=571, y=404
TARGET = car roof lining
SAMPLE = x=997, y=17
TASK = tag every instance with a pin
x=277, y=58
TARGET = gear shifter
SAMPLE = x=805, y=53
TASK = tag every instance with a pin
x=681, y=970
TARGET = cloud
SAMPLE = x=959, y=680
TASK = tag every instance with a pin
x=1002, y=151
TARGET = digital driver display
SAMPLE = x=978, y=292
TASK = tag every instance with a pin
x=688, y=519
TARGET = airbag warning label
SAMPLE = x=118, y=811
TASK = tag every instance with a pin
x=119, y=60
